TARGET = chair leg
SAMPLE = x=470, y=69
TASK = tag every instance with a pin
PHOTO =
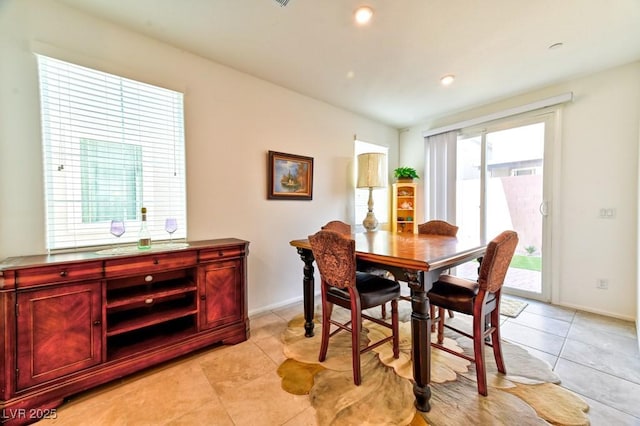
x=496, y=340
x=395, y=329
x=384, y=310
x=478, y=353
x=449, y=311
x=432, y=314
x=327, y=309
x=356, y=327
x=440, y=325
x=487, y=325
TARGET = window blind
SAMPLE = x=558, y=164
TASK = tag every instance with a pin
x=110, y=147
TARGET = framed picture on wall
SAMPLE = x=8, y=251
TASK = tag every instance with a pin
x=290, y=177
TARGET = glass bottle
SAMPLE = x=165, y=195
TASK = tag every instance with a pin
x=144, y=237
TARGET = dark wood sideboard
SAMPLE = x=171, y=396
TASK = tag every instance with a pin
x=73, y=321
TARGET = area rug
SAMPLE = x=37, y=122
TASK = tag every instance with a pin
x=511, y=307
x=528, y=395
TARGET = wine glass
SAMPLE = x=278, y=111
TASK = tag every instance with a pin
x=117, y=229
x=170, y=225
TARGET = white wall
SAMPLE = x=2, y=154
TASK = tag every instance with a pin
x=231, y=119
x=638, y=248
x=598, y=168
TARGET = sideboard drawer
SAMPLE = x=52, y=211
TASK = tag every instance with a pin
x=221, y=253
x=149, y=263
x=60, y=273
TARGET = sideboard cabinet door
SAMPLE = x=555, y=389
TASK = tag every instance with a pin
x=221, y=293
x=59, y=331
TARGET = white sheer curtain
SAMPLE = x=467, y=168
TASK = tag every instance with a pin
x=440, y=170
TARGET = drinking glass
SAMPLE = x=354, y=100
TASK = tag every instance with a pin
x=170, y=225
x=117, y=229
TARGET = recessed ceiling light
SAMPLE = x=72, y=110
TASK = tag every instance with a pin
x=555, y=46
x=447, y=79
x=363, y=15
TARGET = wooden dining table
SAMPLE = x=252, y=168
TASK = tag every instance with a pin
x=415, y=259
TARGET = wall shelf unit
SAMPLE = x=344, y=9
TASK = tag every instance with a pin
x=404, y=208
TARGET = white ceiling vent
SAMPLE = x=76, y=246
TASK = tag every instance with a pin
x=282, y=3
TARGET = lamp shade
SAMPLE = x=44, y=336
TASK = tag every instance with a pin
x=371, y=170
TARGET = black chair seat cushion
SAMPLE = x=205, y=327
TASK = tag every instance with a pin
x=373, y=290
x=455, y=293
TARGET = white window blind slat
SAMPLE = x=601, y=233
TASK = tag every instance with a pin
x=110, y=146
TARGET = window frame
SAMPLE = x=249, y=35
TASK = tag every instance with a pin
x=80, y=103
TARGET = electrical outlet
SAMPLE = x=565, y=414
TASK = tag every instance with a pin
x=602, y=283
x=607, y=213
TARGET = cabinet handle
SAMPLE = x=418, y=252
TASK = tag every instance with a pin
x=63, y=273
x=203, y=297
x=156, y=262
x=148, y=301
x=97, y=322
x=148, y=278
x=220, y=253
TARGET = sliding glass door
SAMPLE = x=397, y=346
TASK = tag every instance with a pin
x=503, y=182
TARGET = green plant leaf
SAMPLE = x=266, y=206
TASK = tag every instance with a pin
x=406, y=172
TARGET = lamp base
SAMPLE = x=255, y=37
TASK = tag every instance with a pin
x=370, y=222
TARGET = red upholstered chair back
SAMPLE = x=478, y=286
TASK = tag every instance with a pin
x=335, y=256
x=438, y=227
x=496, y=261
x=338, y=226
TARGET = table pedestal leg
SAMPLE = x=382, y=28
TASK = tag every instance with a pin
x=307, y=290
x=420, y=339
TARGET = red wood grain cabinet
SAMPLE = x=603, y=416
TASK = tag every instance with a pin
x=77, y=320
x=59, y=332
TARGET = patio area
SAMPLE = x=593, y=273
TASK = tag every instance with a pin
x=519, y=279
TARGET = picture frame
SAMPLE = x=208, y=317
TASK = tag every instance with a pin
x=290, y=177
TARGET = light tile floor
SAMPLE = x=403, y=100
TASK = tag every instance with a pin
x=596, y=357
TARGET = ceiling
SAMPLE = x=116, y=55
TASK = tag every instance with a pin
x=389, y=69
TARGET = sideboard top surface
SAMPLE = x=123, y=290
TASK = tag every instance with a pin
x=18, y=262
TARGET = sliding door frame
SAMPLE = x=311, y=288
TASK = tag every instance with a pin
x=550, y=191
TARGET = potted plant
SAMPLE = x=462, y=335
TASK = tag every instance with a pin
x=405, y=174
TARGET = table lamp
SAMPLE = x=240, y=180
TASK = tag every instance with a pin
x=371, y=174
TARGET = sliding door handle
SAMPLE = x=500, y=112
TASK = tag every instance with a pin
x=544, y=209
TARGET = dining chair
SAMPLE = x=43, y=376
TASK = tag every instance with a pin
x=342, y=285
x=345, y=229
x=437, y=227
x=481, y=300
x=432, y=227
x=338, y=226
